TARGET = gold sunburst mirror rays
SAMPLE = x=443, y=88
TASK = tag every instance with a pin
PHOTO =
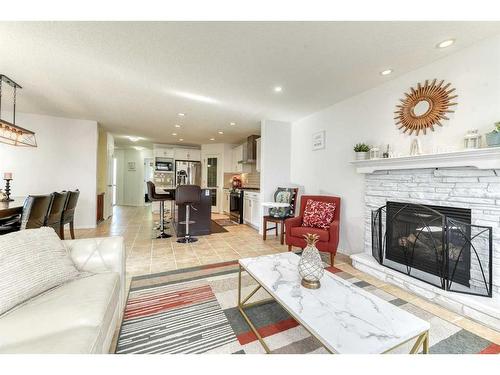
x=424, y=107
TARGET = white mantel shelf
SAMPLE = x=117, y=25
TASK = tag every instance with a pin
x=483, y=158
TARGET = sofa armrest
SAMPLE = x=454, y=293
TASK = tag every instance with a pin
x=293, y=222
x=99, y=255
x=334, y=233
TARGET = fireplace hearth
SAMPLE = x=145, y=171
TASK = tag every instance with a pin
x=435, y=244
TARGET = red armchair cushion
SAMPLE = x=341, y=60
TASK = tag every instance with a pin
x=318, y=214
x=324, y=235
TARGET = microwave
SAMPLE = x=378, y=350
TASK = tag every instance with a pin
x=164, y=165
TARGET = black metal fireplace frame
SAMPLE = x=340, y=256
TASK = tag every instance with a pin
x=379, y=243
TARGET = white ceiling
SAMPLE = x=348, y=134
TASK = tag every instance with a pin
x=128, y=75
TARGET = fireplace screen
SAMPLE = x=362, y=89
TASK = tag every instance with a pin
x=435, y=244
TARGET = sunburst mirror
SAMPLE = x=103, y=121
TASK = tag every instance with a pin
x=424, y=107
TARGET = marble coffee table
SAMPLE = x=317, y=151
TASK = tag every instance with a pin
x=342, y=316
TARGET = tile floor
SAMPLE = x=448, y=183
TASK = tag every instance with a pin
x=146, y=254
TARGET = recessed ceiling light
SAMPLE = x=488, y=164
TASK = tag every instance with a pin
x=221, y=132
x=446, y=43
x=386, y=72
x=212, y=139
x=181, y=114
x=278, y=89
x=134, y=139
x=139, y=148
x=174, y=133
x=232, y=123
x=181, y=139
x=177, y=125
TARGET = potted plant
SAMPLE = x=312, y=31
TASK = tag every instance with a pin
x=362, y=151
x=493, y=137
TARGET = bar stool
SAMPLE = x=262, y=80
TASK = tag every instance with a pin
x=188, y=195
x=154, y=197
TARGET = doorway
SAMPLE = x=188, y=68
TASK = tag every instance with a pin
x=212, y=172
x=113, y=200
x=111, y=176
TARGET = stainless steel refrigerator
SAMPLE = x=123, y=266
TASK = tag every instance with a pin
x=187, y=173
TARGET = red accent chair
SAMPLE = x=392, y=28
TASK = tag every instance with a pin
x=328, y=238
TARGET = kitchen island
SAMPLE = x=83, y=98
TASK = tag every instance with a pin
x=200, y=213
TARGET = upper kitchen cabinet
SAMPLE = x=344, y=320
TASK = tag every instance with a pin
x=238, y=165
x=163, y=152
x=244, y=155
x=187, y=154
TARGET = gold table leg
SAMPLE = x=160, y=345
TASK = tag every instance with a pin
x=242, y=305
x=422, y=340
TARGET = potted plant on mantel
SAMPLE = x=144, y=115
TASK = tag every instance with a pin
x=493, y=137
x=362, y=151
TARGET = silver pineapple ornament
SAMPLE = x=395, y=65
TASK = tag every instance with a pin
x=310, y=265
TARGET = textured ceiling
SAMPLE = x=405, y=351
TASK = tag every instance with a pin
x=135, y=77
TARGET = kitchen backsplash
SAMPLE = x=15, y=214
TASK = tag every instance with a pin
x=251, y=180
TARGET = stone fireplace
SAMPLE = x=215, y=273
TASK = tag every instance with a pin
x=462, y=186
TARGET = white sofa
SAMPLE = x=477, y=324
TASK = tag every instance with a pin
x=80, y=316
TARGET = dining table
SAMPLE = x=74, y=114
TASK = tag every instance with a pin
x=12, y=207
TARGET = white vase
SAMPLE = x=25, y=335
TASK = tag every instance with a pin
x=362, y=155
x=311, y=267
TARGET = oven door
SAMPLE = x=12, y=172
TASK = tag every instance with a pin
x=235, y=207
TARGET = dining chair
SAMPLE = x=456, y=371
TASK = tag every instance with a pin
x=279, y=215
x=54, y=219
x=34, y=215
x=68, y=214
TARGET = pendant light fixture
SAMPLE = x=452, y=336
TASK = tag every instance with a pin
x=10, y=133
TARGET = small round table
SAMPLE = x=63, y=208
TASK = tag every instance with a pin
x=273, y=219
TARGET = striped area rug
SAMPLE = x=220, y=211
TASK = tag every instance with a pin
x=194, y=311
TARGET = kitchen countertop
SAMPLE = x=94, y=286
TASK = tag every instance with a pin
x=257, y=190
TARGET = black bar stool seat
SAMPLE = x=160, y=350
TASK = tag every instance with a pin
x=187, y=195
x=155, y=197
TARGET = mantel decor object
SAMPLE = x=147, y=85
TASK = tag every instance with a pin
x=10, y=133
x=424, y=107
x=472, y=140
x=362, y=151
x=311, y=267
x=493, y=137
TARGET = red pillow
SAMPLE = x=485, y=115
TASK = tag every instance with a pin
x=318, y=214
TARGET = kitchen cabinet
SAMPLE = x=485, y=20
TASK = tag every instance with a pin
x=163, y=152
x=226, y=201
x=187, y=154
x=257, y=158
x=251, y=209
x=237, y=157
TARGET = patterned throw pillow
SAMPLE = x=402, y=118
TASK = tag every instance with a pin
x=31, y=262
x=318, y=214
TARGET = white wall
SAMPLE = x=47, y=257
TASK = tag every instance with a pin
x=368, y=117
x=275, y=157
x=65, y=159
x=130, y=183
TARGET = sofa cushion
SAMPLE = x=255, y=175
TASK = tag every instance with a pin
x=324, y=235
x=318, y=214
x=32, y=261
x=86, y=302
